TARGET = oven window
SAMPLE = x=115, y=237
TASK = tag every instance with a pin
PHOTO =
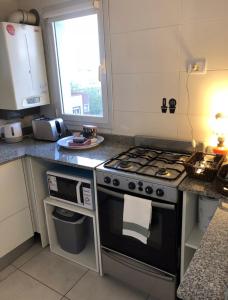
x=161, y=248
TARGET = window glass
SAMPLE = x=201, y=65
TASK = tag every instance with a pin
x=77, y=42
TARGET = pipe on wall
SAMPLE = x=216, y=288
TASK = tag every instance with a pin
x=25, y=17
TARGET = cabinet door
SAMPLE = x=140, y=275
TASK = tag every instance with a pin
x=37, y=63
x=19, y=63
x=15, y=230
x=12, y=189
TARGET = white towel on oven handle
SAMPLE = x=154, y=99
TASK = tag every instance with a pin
x=137, y=217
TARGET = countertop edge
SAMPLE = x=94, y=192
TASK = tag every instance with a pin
x=207, y=274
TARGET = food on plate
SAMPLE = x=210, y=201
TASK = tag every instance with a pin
x=72, y=143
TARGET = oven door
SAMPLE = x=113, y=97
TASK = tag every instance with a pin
x=163, y=246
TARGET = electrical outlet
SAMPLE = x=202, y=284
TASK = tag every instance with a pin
x=197, y=66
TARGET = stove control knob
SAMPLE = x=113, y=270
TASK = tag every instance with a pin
x=107, y=179
x=159, y=192
x=131, y=185
x=116, y=182
x=149, y=190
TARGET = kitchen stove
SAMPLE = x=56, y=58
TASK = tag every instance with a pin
x=145, y=171
x=152, y=174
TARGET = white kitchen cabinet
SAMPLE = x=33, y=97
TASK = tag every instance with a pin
x=15, y=219
x=23, y=79
x=15, y=230
x=12, y=189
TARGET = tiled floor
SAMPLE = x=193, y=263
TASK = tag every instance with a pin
x=41, y=275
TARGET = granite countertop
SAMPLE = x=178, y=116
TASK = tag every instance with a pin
x=207, y=274
x=88, y=159
x=200, y=187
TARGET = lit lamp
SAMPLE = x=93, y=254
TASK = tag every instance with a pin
x=220, y=131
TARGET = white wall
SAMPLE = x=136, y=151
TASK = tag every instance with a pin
x=6, y=7
x=151, y=40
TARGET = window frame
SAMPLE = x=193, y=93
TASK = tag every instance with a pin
x=74, y=121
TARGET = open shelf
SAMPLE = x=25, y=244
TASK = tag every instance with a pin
x=195, y=238
x=88, y=257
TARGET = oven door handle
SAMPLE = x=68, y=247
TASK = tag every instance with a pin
x=121, y=196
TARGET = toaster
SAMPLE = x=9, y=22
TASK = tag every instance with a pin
x=48, y=129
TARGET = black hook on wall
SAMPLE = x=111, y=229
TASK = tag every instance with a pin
x=172, y=105
x=164, y=106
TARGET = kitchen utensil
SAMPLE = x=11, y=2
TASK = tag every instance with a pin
x=13, y=132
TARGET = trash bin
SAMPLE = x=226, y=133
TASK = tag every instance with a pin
x=71, y=230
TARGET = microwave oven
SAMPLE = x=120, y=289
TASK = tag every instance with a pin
x=73, y=186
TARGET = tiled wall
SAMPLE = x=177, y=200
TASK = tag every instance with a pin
x=151, y=41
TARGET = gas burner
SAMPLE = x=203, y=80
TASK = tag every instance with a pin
x=125, y=164
x=162, y=171
x=149, y=162
x=140, y=151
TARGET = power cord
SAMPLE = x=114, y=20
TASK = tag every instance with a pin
x=188, y=112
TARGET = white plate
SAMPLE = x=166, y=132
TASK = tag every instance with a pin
x=64, y=142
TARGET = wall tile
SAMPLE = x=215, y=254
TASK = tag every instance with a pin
x=208, y=94
x=205, y=40
x=204, y=9
x=131, y=15
x=202, y=130
x=144, y=92
x=145, y=51
x=132, y=123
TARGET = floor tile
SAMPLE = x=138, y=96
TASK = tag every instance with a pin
x=31, y=252
x=94, y=287
x=20, y=286
x=6, y=272
x=54, y=271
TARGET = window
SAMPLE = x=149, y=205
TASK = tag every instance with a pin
x=80, y=64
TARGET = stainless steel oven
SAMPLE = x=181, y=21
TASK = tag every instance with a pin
x=158, y=260
x=161, y=250
x=151, y=264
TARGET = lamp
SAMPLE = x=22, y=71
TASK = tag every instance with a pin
x=220, y=131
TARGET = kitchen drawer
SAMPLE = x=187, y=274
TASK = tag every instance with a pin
x=15, y=230
x=12, y=189
x=161, y=286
